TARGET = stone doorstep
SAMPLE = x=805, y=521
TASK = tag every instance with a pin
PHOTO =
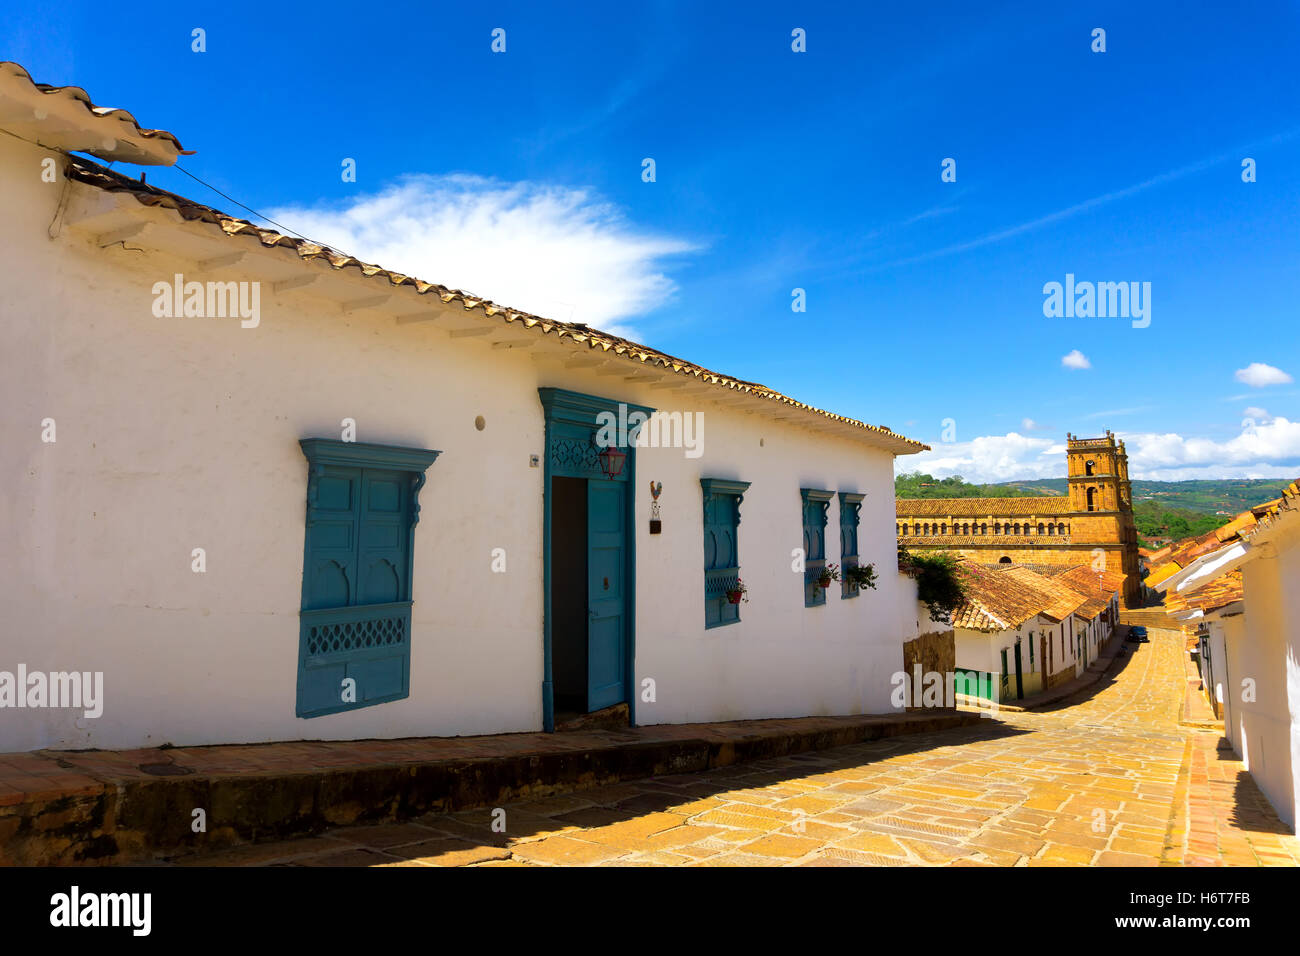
x=72, y=816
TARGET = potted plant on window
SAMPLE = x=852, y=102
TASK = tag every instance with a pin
x=828, y=574
x=861, y=575
x=737, y=594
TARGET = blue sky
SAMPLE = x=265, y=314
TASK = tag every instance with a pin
x=518, y=176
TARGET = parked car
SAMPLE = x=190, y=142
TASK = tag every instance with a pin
x=1138, y=635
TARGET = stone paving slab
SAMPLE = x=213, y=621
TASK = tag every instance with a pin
x=60, y=807
x=1112, y=780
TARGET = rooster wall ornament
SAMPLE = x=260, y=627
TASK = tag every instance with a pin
x=656, y=525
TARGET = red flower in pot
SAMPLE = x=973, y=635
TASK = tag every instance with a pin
x=828, y=574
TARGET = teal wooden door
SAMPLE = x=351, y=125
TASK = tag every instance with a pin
x=1020, y=680
x=606, y=600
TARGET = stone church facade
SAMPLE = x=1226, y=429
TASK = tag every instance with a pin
x=1093, y=521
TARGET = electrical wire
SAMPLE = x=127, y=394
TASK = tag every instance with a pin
x=223, y=195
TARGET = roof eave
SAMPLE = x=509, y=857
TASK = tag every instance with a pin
x=580, y=338
x=63, y=118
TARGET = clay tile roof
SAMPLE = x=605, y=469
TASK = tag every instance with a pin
x=92, y=174
x=1261, y=510
x=1096, y=587
x=1220, y=592
x=64, y=118
x=1045, y=570
x=1091, y=607
x=1243, y=522
x=1181, y=554
x=1172, y=559
x=1087, y=581
x=1273, y=511
x=1058, y=600
x=1160, y=555
x=983, y=507
x=994, y=601
x=1001, y=597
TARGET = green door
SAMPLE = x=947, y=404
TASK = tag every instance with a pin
x=606, y=601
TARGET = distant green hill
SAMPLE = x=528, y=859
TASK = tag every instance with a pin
x=918, y=485
x=1232, y=495
x=1168, y=509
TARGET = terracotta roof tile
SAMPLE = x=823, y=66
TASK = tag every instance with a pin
x=982, y=507
x=1058, y=600
x=1166, y=570
x=1002, y=597
x=1087, y=581
x=1218, y=593
x=1274, y=510
x=1236, y=526
x=107, y=124
x=1244, y=526
x=995, y=602
x=1045, y=570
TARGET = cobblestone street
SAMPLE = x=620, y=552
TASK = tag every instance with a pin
x=1109, y=779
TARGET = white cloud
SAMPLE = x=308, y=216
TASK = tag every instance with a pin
x=1257, y=374
x=991, y=458
x=558, y=252
x=1259, y=445
x=1028, y=424
x=1255, y=412
x=1269, y=449
x=1075, y=359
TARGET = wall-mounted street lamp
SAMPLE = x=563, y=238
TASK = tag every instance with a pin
x=611, y=461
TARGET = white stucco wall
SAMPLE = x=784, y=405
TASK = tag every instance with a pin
x=175, y=434
x=781, y=659
x=982, y=651
x=1263, y=645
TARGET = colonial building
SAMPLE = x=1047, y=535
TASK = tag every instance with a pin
x=256, y=490
x=1091, y=525
x=1243, y=596
x=1023, y=630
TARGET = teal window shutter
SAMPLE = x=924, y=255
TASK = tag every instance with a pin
x=354, y=640
x=850, y=513
x=722, y=498
x=815, y=505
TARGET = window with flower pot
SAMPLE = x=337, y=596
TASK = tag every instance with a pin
x=818, y=575
x=854, y=574
x=723, y=588
x=354, y=645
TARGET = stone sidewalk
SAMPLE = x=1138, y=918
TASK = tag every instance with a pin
x=60, y=807
x=1112, y=779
